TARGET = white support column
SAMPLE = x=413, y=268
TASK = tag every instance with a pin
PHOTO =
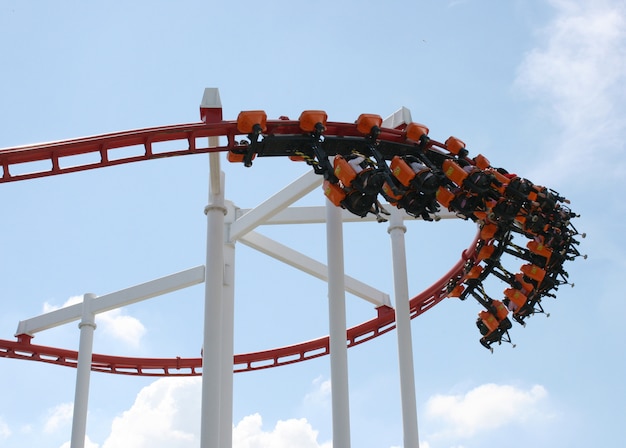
x=338, y=328
x=403, y=327
x=228, y=333
x=83, y=373
x=213, y=341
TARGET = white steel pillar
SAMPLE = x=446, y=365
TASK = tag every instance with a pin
x=83, y=373
x=403, y=325
x=338, y=328
x=214, y=287
x=228, y=353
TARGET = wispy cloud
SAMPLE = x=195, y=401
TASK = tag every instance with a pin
x=577, y=74
x=58, y=417
x=320, y=396
x=5, y=431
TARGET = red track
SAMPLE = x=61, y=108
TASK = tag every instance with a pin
x=133, y=146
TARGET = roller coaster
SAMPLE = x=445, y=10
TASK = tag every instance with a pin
x=360, y=162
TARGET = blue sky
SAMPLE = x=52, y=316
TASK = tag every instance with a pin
x=536, y=86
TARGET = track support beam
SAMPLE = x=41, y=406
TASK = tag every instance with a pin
x=337, y=323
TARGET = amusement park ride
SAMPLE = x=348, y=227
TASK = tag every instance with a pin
x=356, y=163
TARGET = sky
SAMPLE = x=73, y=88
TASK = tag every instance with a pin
x=536, y=86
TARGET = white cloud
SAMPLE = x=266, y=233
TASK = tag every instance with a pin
x=286, y=434
x=122, y=327
x=484, y=408
x=578, y=72
x=88, y=444
x=119, y=326
x=167, y=414
x=320, y=396
x=5, y=431
x=69, y=302
x=58, y=417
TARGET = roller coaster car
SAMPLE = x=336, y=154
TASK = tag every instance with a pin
x=488, y=231
x=484, y=251
x=503, y=179
x=354, y=201
x=358, y=172
x=412, y=173
x=471, y=177
x=506, y=210
x=540, y=250
x=418, y=205
x=456, y=290
x=465, y=204
x=518, y=188
x=493, y=330
x=444, y=197
x=518, y=303
x=356, y=191
x=334, y=193
x=533, y=272
x=519, y=281
x=252, y=123
x=536, y=253
x=548, y=199
x=524, y=307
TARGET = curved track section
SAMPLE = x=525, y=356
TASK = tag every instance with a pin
x=422, y=175
x=366, y=331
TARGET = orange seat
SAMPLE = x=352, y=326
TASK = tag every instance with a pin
x=444, y=196
x=474, y=273
x=236, y=157
x=481, y=215
x=391, y=196
x=402, y=170
x=310, y=118
x=366, y=122
x=488, y=231
x=500, y=178
x=416, y=131
x=539, y=249
x=246, y=120
x=343, y=171
x=454, y=145
x=485, y=252
x=482, y=162
x=526, y=287
x=334, y=193
x=501, y=311
x=516, y=296
x=534, y=272
x=454, y=172
x=489, y=320
x=457, y=291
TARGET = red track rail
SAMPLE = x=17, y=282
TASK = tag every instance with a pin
x=54, y=158
x=383, y=323
x=67, y=156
